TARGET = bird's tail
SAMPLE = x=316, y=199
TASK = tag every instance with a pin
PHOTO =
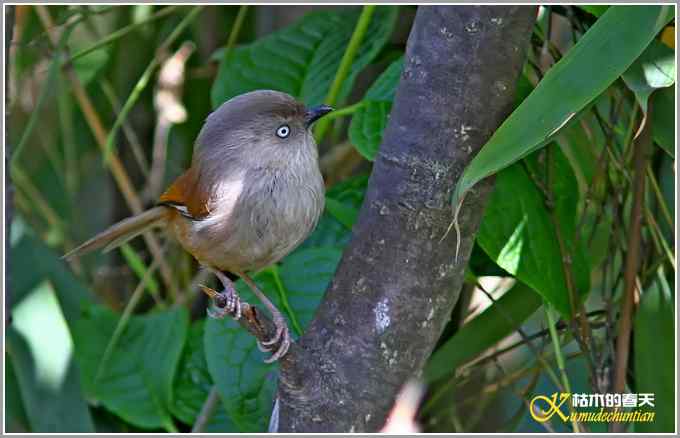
x=119, y=233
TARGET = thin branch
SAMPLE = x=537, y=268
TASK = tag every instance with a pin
x=640, y=156
x=207, y=410
x=254, y=321
x=559, y=357
x=121, y=33
x=144, y=79
x=115, y=165
x=345, y=65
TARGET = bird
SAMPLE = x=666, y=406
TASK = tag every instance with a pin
x=252, y=194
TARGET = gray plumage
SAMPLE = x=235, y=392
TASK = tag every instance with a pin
x=266, y=193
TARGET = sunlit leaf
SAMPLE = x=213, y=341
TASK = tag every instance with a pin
x=484, y=331
x=654, y=69
x=40, y=347
x=518, y=233
x=596, y=61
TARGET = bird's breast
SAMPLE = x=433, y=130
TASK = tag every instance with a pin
x=257, y=219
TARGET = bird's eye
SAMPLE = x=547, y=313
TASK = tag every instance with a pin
x=283, y=131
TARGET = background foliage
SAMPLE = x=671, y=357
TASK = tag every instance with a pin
x=115, y=343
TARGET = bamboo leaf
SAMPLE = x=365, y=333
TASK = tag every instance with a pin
x=654, y=69
x=518, y=234
x=654, y=354
x=596, y=61
x=481, y=333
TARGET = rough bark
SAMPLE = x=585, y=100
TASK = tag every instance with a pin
x=398, y=281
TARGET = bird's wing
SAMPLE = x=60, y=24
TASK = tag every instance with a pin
x=187, y=196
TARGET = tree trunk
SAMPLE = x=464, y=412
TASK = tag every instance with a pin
x=398, y=281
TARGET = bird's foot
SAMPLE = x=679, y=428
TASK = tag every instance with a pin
x=225, y=303
x=281, y=337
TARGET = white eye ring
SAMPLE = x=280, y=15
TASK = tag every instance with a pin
x=283, y=131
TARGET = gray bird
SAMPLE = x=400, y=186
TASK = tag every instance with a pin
x=253, y=193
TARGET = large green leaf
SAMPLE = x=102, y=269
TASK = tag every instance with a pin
x=40, y=347
x=654, y=69
x=655, y=354
x=245, y=383
x=369, y=121
x=137, y=379
x=303, y=58
x=595, y=10
x=334, y=228
x=518, y=233
x=46, y=300
x=305, y=276
x=16, y=420
x=484, y=331
x=598, y=59
x=193, y=384
x=663, y=119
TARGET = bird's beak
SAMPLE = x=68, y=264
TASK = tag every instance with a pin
x=315, y=113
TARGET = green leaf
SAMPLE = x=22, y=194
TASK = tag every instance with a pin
x=245, y=383
x=367, y=126
x=41, y=350
x=385, y=86
x=484, y=331
x=330, y=231
x=136, y=382
x=582, y=143
x=369, y=121
x=654, y=340
x=31, y=262
x=16, y=420
x=46, y=300
x=346, y=215
x=305, y=276
x=135, y=262
x=518, y=233
x=89, y=66
x=654, y=69
x=193, y=384
x=303, y=58
x=597, y=60
x=663, y=119
x=595, y=10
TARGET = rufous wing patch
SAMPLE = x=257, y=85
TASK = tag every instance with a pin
x=186, y=192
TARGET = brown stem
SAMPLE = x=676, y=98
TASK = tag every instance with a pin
x=116, y=166
x=640, y=156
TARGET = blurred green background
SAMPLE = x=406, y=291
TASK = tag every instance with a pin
x=105, y=103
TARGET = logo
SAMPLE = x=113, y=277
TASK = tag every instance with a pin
x=612, y=407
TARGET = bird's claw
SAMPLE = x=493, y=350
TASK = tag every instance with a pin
x=225, y=303
x=281, y=337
